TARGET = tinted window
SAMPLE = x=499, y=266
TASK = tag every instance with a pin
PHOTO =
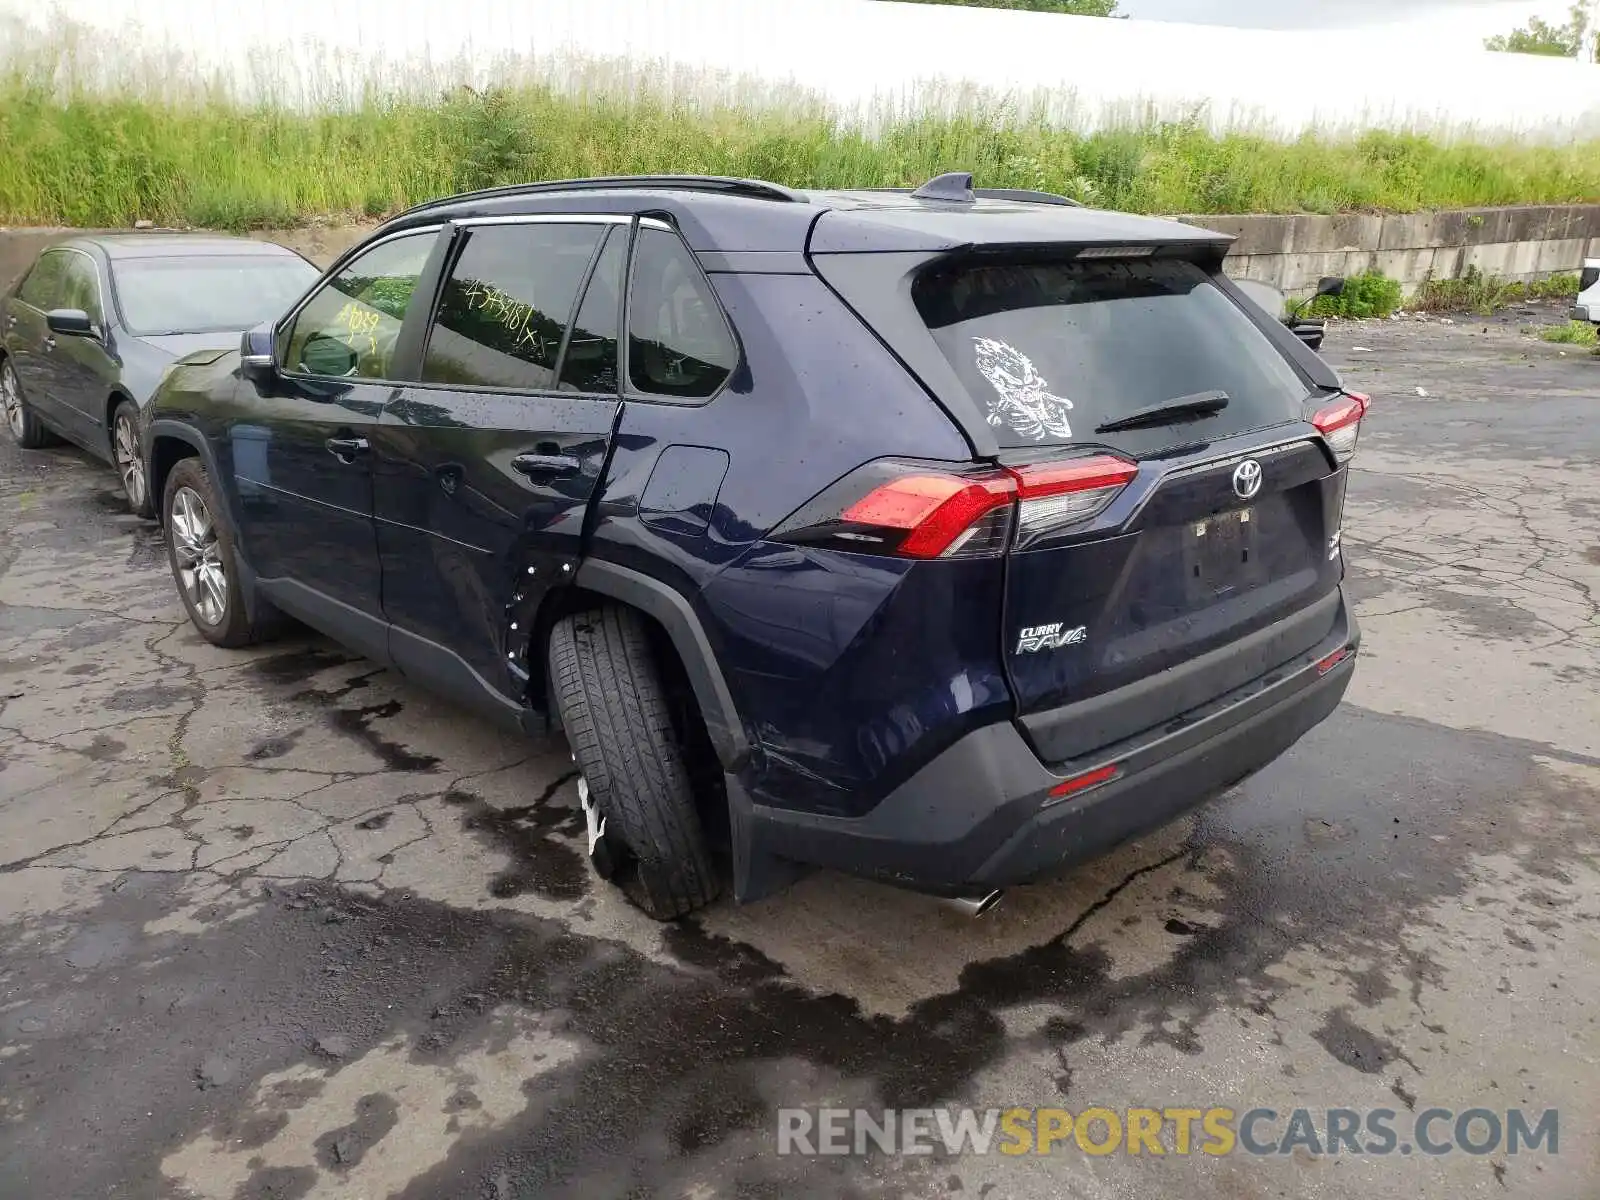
x=207, y=294
x=1053, y=350
x=349, y=327
x=81, y=280
x=1270, y=300
x=507, y=303
x=678, y=342
x=591, y=362
x=46, y=284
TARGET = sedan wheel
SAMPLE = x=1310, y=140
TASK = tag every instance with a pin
x=21, y=421
x=125, y=449
x=11, y=396
x=198, y=556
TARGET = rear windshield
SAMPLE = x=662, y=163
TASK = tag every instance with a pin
x=1052, y=351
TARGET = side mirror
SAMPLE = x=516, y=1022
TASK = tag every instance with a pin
x=1330, y=285
x=329, y=356
x=1311, y=334
x=255, y=355
x=70, y=322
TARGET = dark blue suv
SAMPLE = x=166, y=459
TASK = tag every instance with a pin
x=947, y=537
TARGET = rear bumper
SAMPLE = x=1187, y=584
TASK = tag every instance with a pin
x=1585, y=312
x=980, y=816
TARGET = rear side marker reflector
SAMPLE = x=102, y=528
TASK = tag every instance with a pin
x=1339, y=423
x=1324, y=665
x=1082, y=783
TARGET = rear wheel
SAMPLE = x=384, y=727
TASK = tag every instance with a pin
x=130, y=460
x=24, y=425
x=201, y=551
x=645, y=831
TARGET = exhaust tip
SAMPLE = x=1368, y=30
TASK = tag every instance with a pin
x=975, y=906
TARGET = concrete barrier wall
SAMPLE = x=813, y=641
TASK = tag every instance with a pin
x=1293, y=252
x=1289, y=252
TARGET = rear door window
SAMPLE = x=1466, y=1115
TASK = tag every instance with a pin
x=591, y=361
x=1054, y=350
x=678, y=340
x=507, y=305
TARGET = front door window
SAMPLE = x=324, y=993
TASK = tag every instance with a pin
x=82, y=287
x=348, y=329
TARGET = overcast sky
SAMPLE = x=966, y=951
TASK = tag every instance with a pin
x=1457, y=23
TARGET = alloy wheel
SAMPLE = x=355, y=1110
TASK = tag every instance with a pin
x=125, y=448
x=11, y=396
x=198, y=556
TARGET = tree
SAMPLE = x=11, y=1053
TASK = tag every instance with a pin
x=1568, y=40
x=1075, y=8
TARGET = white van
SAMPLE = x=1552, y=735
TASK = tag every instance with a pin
x=1587, y=306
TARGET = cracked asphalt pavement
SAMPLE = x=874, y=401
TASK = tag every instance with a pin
x=277, y=924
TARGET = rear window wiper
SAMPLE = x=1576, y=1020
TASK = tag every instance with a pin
x=1196, y=404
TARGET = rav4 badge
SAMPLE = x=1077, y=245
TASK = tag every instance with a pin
x=1050, y=637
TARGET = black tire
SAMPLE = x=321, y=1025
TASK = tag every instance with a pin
x=232, y=628
x=609, y=691
x=21, y=422
x=137, y=486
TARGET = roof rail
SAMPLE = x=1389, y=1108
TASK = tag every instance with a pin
x=755, y=189
x=1025, y=195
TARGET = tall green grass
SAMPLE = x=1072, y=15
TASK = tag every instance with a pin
x=199, y=155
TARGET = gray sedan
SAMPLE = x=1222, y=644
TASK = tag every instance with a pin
x=88, y=332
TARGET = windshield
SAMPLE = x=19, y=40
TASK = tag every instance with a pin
x=209, y=294
x=1055, y=350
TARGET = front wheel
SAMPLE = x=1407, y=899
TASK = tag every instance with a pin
x=200, y=550
x=130, y=460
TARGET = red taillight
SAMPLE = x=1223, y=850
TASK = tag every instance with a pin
x=1057, y=494
x=1075, y=475
x=1080, y=783
x=939, y=512
x=904, y=508
x=1339, y=423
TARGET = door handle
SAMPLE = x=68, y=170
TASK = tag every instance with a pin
x=346, y=449
x=546, y=466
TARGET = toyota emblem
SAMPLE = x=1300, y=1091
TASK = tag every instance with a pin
x=1247, y=479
